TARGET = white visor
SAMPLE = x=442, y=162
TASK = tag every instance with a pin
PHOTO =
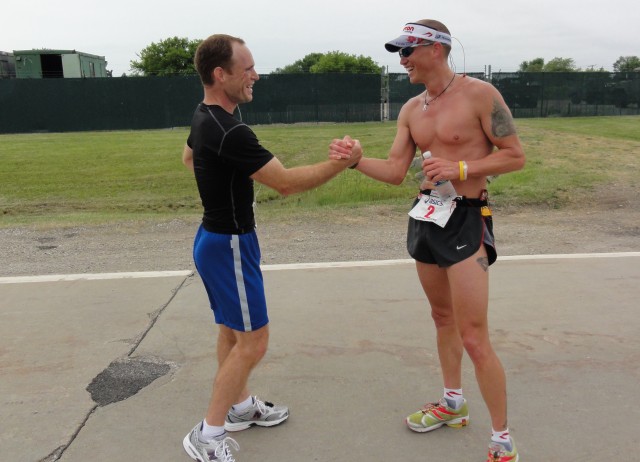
x=415, y=34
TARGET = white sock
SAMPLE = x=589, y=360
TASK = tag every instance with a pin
x=243, y=405
x=454, y=397
x=210, y=432
x=501, y=437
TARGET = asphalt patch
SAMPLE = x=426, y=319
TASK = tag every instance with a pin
x=124, y=378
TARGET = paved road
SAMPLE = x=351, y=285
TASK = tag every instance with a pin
x=119, y=368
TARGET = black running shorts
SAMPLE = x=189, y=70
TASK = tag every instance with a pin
x=470, y=226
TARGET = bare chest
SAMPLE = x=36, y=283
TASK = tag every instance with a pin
x=446, y=127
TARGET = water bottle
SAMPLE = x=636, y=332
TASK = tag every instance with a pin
x=445, y=188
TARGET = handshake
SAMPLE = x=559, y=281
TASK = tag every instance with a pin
x=346, y=149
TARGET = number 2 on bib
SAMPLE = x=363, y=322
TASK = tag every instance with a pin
x=430, y=211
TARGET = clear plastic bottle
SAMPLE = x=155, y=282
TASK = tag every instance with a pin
x=445, y=188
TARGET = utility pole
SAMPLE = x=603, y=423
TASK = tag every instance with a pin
x=384, y=94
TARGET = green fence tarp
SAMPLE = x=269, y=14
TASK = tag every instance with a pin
x=134, y=103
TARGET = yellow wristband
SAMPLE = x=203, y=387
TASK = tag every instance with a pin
x=463, y=170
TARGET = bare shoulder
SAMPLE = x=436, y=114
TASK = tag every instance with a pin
x=490, y=106
x=413, y=103
x=477, y=88
x=410, y=107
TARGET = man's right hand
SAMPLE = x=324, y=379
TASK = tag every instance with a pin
x=347, y=149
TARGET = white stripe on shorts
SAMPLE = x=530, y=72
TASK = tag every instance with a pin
x=242, y=291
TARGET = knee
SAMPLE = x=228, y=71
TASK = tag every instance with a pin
x=442, y=318
x=476, y=345
x=255, y=350
x=260, y=351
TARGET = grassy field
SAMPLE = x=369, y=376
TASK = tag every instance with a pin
x=97, y=177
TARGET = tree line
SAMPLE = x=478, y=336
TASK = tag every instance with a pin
x=622, y=64
x=174, y=56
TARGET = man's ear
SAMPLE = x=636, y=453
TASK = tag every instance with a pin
x=218, y=74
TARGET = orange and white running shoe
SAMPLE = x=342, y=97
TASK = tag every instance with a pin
x=500, y=453
x=435, y=415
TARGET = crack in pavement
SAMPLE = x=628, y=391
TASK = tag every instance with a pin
x=124, y=377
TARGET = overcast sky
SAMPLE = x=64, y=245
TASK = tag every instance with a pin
x=498, y=33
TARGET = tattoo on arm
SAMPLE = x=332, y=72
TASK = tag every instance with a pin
x=501, y=121
x=484, y=263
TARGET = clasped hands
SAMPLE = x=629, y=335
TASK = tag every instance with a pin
x=346, y=149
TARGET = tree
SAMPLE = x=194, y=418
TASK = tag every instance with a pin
x=555, y=65
x=626, y=64
x=334, y=61
x=172, y=56
x=301, y=66
x=337, y=61
x=535, y=65
x=560, y=65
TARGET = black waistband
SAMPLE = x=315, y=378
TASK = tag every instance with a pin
x=212, y=228
x=464, y=201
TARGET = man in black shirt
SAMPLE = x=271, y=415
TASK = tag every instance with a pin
x=226, y=158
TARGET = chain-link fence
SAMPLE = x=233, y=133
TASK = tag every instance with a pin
x=290, y=98
x=544, y=94
x=57, y=105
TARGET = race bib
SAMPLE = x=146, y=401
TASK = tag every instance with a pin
x=433, y=208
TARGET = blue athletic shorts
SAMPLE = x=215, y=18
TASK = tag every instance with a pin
x=229, y=265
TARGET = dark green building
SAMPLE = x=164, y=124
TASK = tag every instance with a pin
x=53, y=64
x=7, y=65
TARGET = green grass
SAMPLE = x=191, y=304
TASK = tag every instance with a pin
x=97, y=177
x=570, y=158
x=617, y=128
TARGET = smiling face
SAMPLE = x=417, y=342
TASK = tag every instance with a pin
x=419, y=60
x=240, y=76
x=424, y=60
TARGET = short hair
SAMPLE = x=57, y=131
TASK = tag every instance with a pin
x=214, y=51
x=437, y=25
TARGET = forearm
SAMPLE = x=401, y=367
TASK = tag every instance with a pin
x=188, y=163
x=187, y=157
x=383, y=170
x=499, y=162
x=298, y=179
x=303, y=178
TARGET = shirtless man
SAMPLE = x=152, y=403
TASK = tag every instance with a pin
x=468, y=128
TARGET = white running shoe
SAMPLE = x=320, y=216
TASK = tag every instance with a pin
x=216, y=450
x=261, y=413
